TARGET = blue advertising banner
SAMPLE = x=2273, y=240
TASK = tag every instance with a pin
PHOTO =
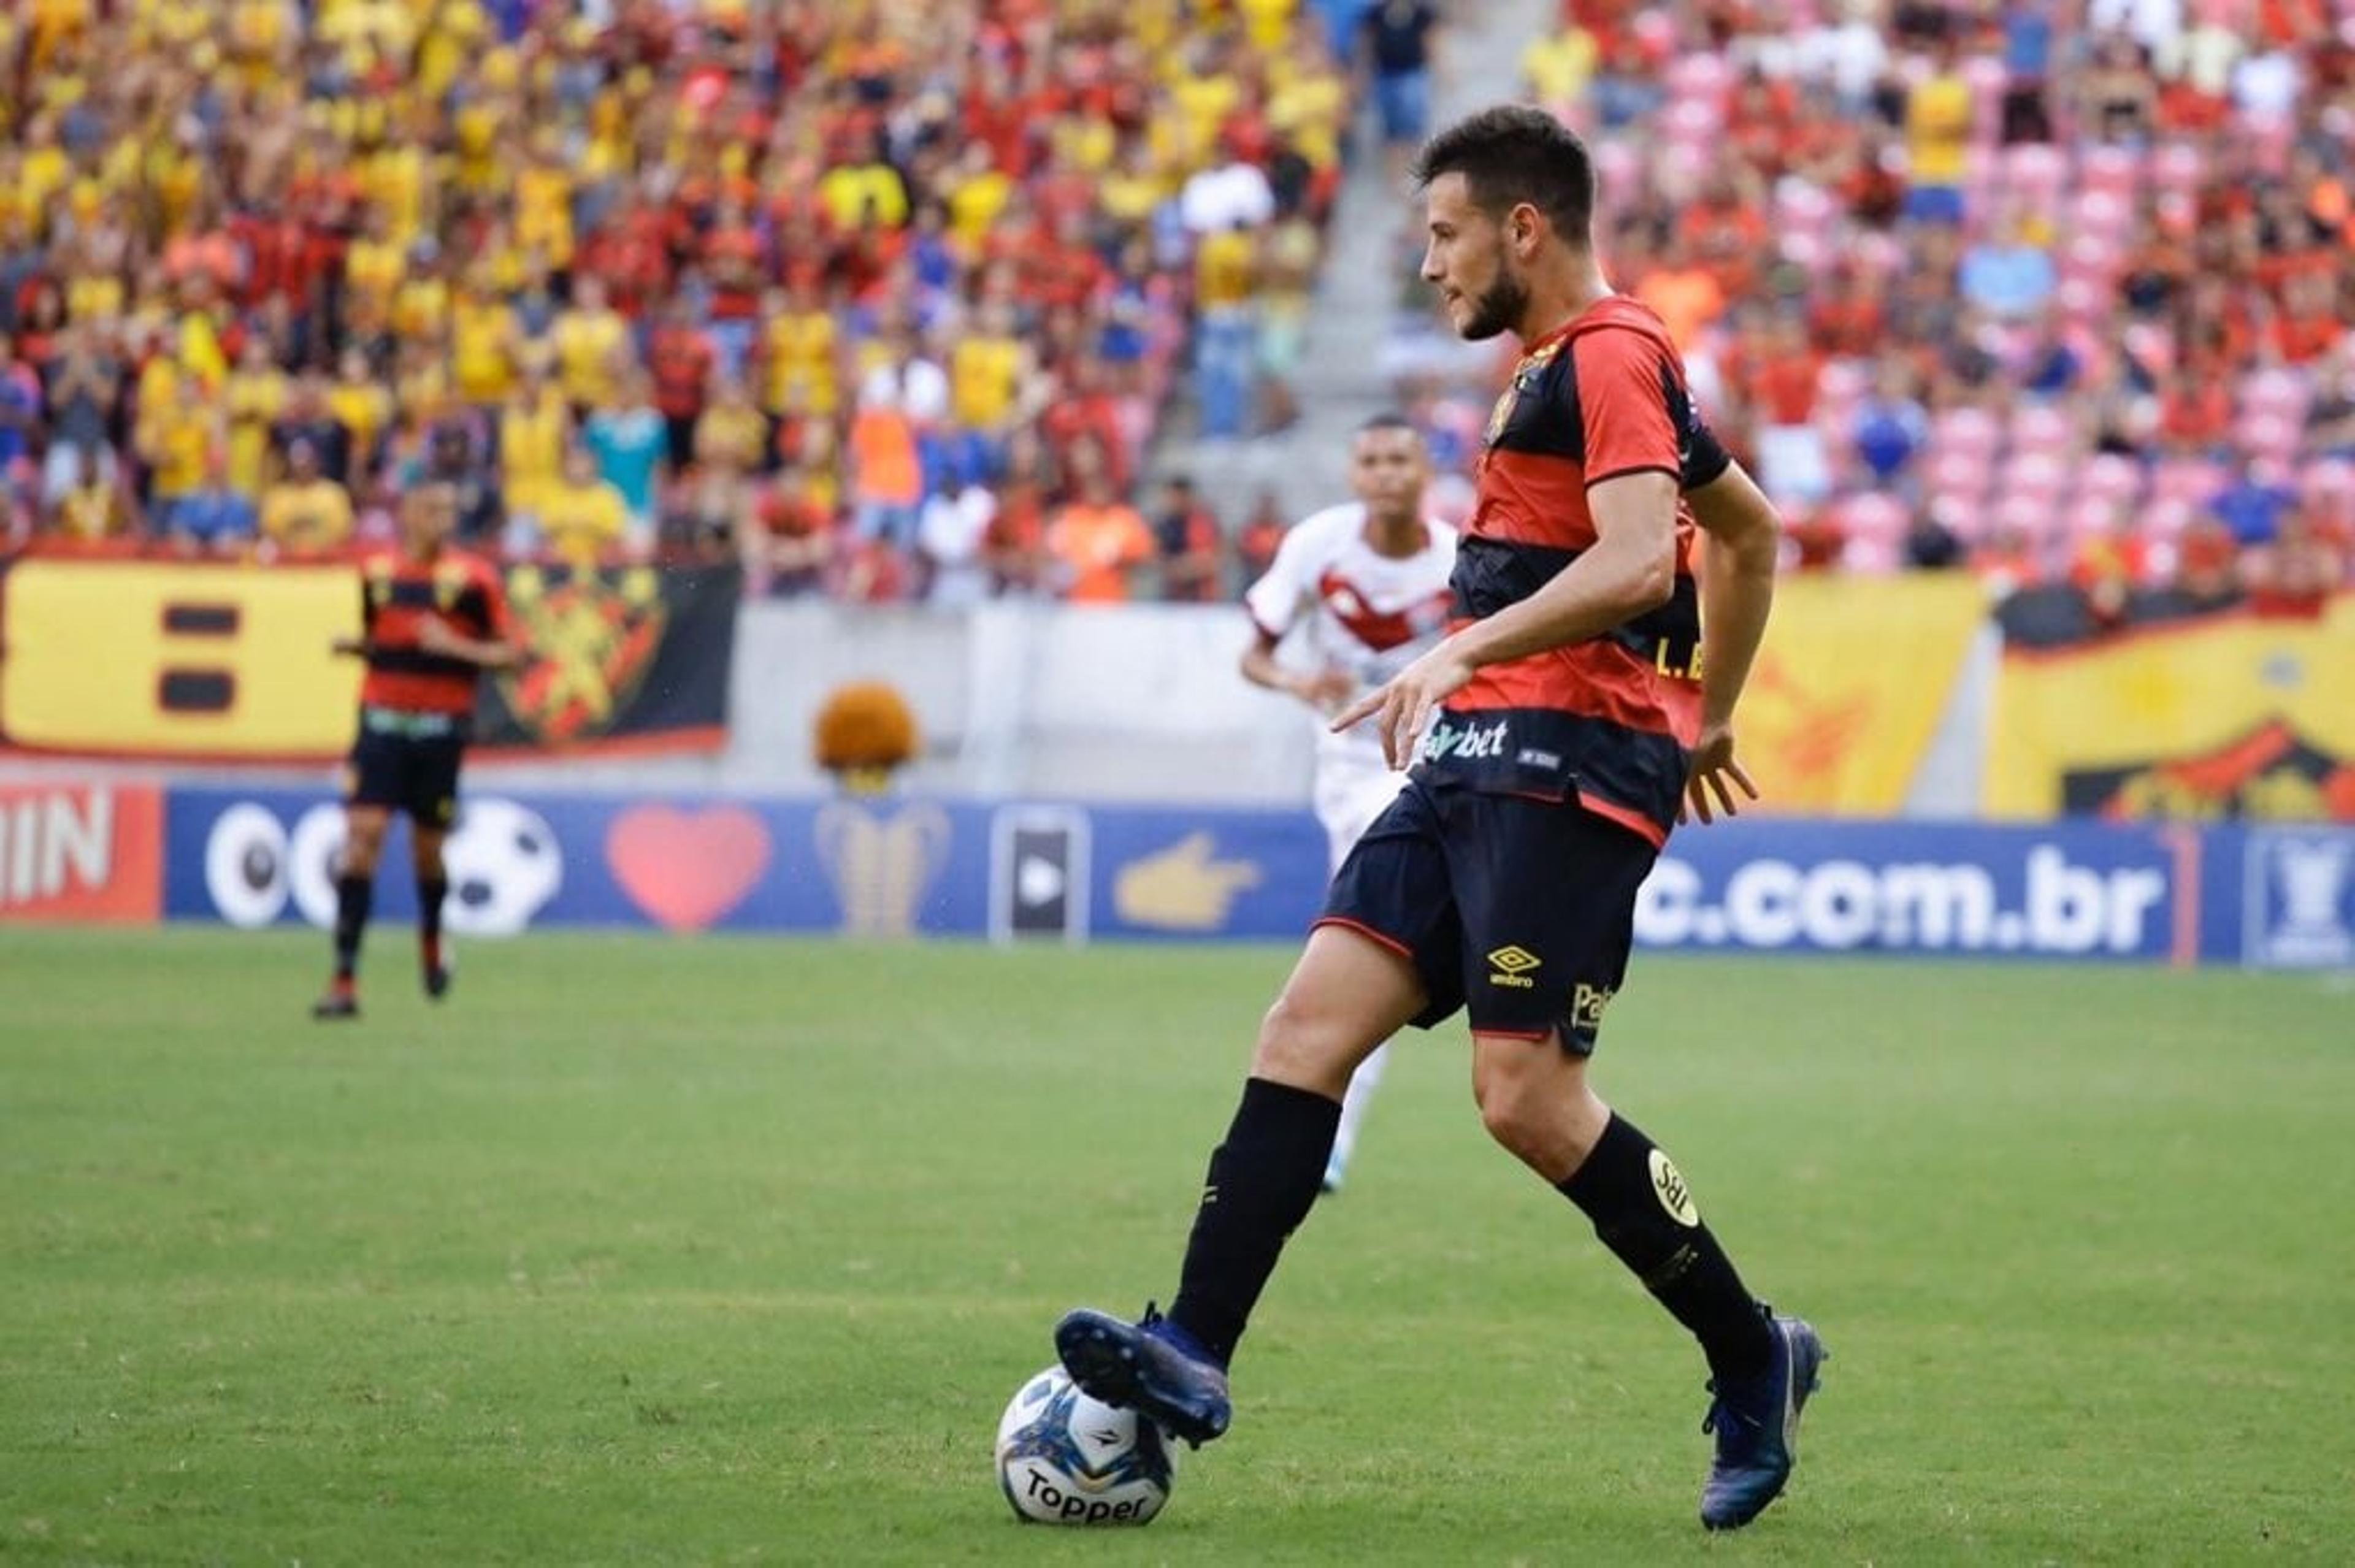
x=2064, y=891
x=890, y=866
x=857, y=867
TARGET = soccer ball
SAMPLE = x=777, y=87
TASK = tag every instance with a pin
x=1065, y=1458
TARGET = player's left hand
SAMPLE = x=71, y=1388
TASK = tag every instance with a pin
x=1406, y=704
x=1712, y=767
x=436, y=635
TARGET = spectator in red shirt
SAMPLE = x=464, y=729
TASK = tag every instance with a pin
x=2195, y=413
x=1189, y=542
x=790, y=545
x=1261, y=536
x=680, y=358
x=2295, y=575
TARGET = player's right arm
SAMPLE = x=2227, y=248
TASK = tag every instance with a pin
x=1630, y=568
x=1274, y=604
x=359, y=647
x=1740, y=540
x=1324, y=690
x=497, y=647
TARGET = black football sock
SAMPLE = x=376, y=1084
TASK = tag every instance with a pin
x=1643, y=1213
x=1262, y=1183
x=430, y=891
x=353, y=897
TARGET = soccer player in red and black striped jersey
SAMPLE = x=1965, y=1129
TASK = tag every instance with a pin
x=433, y=619
x=1610, y=592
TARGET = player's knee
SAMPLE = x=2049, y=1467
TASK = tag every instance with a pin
x=1303, y=1046
x=1516, y=1118
x=1542, y=1116
x=363, y=846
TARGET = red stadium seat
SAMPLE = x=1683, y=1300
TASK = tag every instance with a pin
x=2033, y=518
x=2043, y=429
x=2091, y=517
x=2107, y=213
x=2328, y=483
x=2111, y=476
x=1964, y=517
x=2278, y=392
x=1872, y=558
x=2111, y=170
x=2041, y=476
x=1966, y=430
x=2189, y=479
x=2164, y=518
x=2177, y=166
x=2268, y=436
x=2036, y=171
x=1702, y=76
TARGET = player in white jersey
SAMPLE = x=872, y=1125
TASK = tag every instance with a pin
x=1366, y=585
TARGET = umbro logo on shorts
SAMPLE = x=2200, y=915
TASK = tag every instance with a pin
x=1512, y=965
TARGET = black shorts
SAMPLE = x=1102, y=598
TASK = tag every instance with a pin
x=404, y=765
x=1520, y=911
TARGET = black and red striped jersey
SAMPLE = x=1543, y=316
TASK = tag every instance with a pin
x=397, y=593
x=1610, y=720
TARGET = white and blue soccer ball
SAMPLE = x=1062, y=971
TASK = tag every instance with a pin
x=1065, y=1458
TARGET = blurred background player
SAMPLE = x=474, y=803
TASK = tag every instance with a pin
x=1369, y=579
x=432, y=620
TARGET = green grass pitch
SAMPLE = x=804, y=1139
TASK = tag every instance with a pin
x=731, y=1250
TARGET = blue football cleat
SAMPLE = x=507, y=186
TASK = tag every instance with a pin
x=1757, y=1422
x=1151, y=1366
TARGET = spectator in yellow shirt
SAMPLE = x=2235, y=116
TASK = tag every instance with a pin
x=731, y=431
x=851, y=189
x=987, y=369
x=306, y=513
x=482, y=340
x=358, y=401
x=93, y=508
x=583, y=517
x=1558, y=66
x=1938, y=118
x=535, y=433
x=175, y=437
x=374, y=266
x=977, y=193
x=543, y=198
x=593, y=343
x=800, y=353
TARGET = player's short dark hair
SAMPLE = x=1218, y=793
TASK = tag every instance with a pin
x=1389, y=419
x=1511, y=154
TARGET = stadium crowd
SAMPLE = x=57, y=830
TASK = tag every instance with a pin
x=888, y=299
x=881, y=297
x=2060, y=289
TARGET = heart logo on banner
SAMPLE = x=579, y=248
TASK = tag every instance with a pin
x=687, y=869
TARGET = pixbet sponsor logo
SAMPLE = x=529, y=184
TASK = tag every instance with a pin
x=1465, y=743
x=1076, y=1508
x=2064, y=908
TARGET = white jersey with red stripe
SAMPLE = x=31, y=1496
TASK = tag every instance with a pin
x=1364, y=613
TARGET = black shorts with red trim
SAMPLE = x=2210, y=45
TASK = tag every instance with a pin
x=1520, y=911
x=408, y=762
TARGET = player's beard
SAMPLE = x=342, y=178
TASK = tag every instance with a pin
x=1500, y=307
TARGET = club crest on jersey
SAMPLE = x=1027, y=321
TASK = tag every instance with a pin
x=1525, y=377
